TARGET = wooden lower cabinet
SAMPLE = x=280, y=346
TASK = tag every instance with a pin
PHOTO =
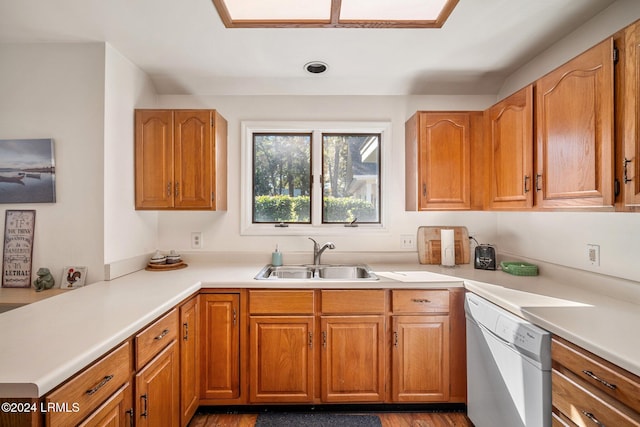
x=189, y=359
x=115, y=412
x=219, y=347
x=588, y=390
x=158, y=390
x=281, y=367
x=353, y=358
x=420, y=359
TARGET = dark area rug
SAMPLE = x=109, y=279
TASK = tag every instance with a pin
x=317, y=420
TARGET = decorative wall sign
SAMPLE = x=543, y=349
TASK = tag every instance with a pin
x=18, y=248
x=73, y=277
x=27, y=171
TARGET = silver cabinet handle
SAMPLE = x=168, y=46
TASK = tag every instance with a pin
x=177, y=189
x=168, y=189
x=421, y=300
x=600, y=380
x=185, y=326
x=526, y=181
x=592, y=418
x=98, y=386
x=395, y=339
x=162, y=335
x=311, y=340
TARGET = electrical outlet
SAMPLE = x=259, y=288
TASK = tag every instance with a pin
x=196, y=239
x=407, y=241
x=593, y=254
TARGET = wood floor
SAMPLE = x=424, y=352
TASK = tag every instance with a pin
x=388, y=419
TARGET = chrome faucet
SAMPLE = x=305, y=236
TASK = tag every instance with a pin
x=318, y=250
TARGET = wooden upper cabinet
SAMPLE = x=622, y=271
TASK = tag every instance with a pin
x=628, y=118
x=154, y=159
x=574, y=128
x=181, y=158
x=509, y=146
x=438, y=161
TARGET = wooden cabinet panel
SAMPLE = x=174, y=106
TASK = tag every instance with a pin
x=574, y=128
x=420, y=359
x=193, y=158
x=608, y=378
x=509, y=141
x=281, y=359
x=273, y=302
x=189, y=359
x=158, y=390
x=438, y=160
x=181, y=158
x=91, y=388
x=115, y=412
x=154, y=159
x=346, y=301
x=353, y=358
x=586, y=407
x=628, y=117
x=155, y=337
x=419, y=301
x=220, y=346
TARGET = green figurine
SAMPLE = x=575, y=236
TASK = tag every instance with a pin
x=44, y=281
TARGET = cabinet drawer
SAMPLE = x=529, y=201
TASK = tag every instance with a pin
x=353, y=301
x=586, y=407
x=90, y=388
x=156, y=337
x=612, y=380
x=281, y=302
x=430, y=301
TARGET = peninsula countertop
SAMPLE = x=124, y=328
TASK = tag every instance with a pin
x=47, y=342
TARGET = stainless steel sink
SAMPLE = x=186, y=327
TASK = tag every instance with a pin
x=317, y=272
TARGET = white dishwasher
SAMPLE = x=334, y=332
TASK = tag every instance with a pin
x=508, y=368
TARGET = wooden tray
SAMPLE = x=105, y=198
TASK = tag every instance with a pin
x=166, y=267
x=429, y=244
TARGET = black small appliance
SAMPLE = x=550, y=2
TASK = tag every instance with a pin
x=485, y=258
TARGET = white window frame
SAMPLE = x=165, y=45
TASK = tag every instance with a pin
x=316, y=128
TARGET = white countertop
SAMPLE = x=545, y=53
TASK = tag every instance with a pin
x=46, y=342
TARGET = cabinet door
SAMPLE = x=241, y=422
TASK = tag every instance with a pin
x=444, y=160
x=158, y=390
x=189, y=360
x=629, y=98
x=220, y=346
x=193, y=158
x=281, y=359
x=352, y=356
x=510, y=144
x=420, y=358
x=154, y=159
x=574, y=127
x=115, y=412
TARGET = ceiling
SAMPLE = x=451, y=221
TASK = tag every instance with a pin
x=185, y=49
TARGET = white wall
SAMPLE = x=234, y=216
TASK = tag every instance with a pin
x=127, y=232
x=222, y=229
x=562, y=237
x=57, y=91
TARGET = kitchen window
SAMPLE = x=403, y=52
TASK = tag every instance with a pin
x=307, y=178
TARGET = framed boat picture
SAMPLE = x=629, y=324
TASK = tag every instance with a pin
x=27, y=171
x=19, y=226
